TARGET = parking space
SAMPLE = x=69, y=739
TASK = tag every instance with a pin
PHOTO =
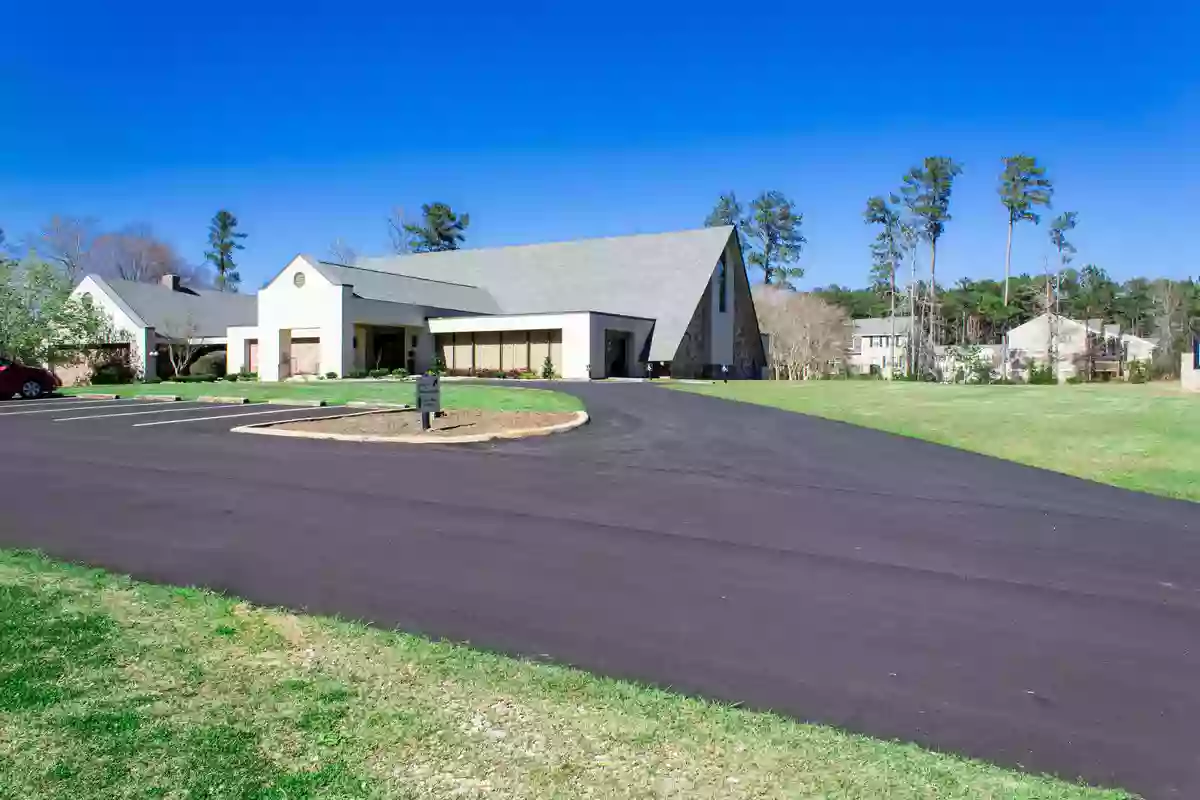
x=148, y=416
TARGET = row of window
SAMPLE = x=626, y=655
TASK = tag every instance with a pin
x=876, y=341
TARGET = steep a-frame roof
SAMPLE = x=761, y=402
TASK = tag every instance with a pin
x=653, y=276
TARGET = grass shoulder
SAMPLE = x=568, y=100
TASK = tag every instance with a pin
x=455, y=395
x=111, y=687
x=1142, y=437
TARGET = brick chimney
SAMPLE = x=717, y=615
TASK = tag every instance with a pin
x=170, y=281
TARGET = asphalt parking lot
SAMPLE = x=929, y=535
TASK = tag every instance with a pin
x=837, y=574
x=153, y=417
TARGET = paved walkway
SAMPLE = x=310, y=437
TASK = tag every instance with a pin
x=838, y=574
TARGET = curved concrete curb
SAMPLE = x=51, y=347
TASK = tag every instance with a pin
x=265, y=429
x=298, y=402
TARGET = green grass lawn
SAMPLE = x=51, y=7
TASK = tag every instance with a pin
x=1143, y=437
x=454, y=395
x=114, y=688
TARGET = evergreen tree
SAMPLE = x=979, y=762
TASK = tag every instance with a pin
x=223, y=240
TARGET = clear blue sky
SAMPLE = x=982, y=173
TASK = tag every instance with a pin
x=560, y=120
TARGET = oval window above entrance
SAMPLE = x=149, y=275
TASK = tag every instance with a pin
x=298, y=279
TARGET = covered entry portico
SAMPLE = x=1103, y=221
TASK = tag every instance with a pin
x=310, y=325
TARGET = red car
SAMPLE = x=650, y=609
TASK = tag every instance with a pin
x=29, y=382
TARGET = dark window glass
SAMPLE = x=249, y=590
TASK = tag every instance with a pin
x=722, y=279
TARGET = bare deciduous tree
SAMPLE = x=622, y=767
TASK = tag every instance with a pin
x=397, y=221
x=67, y=242
x=809, y=336
x=342, y=252
x=182, y=342
x=1172, y=328
x=136, y=254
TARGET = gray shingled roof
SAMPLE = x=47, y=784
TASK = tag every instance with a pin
x=653, y=276
x=204, y=313
x=881, y=326
x=373, y=284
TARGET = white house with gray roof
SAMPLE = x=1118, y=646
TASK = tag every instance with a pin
x=151, y=316
x=676, y=302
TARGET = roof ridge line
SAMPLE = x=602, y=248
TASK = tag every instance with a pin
x=557, y=243
x=399, y=274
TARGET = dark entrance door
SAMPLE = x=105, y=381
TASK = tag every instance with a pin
x=389, y=350
x=616, y=354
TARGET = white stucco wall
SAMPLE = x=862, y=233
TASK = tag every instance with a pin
x=235, y=348
x=142, y=339
x=638, y=329
x=1189, y=373
x=287, y=311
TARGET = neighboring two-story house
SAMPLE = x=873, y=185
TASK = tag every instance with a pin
x=879, y=344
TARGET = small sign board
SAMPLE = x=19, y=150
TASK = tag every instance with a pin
x=429, y=394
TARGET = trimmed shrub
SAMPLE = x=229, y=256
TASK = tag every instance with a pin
x=331, y=375
x=439, y=366
x=209, y=364
x=547, y=368
x=528, y=375
x=379, y=373
x=192, y=379
x=1075, y=380
x=1041, y=375
x=401, y=372
x=246, y=375
x=231, y=377
x=1138, y=372
x=111, y=374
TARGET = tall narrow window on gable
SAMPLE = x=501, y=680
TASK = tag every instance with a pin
x=722, y=279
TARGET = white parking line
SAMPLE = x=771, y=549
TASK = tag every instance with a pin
x=62, y=400
x=173, y=409
x=89, y=404
x=231, y=416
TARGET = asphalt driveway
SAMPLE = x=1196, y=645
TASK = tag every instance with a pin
x=834, y=573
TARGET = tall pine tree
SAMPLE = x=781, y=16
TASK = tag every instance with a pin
x=224, y=239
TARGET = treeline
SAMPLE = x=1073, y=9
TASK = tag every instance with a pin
x=910, y=222
x=78, y=246
x=973, y=310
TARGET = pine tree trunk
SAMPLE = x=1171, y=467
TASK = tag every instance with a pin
x=891, y=368
x=1007, y=261
x=1007, y=269
x=933, y=315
